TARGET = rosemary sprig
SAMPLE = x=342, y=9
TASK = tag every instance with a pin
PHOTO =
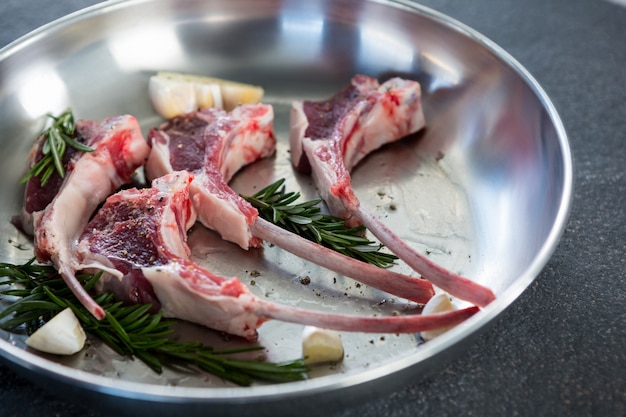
x=57, y=137
x=129, y=330
x=307, y=220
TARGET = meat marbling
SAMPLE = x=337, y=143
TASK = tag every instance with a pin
x=328, y=138
x=119, y=149
x=214, y=145
x=152, y=223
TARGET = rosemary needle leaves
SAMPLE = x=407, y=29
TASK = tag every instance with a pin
x=306, y=219
x=40, y=293
x=57, y=137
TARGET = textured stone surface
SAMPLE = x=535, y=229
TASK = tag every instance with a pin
x=561, y=348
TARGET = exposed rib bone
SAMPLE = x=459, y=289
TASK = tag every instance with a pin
x=418, y=290
x=450, y=282
x=193, y=293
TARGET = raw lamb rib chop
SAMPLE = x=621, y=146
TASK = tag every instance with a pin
x=119, y=149
x=214, y=145
x=328, y=138
x=138, y=228
x=142, y=232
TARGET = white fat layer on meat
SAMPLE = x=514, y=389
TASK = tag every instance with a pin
x=248, y=141
x=174, y=235
x=159, y=160
x=219, y=212
x=376, y=126
x=298, y=123
x=200, y=302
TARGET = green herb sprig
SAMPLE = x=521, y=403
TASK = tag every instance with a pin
x=307, y=220
x=41, y=293
x=57, y=137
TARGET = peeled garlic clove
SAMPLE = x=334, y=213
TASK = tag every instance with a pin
x=171, y=97
x=62, y=335
x=234, y=94
x=207, y=95
x=440, y=303
x=174, y=94
x=321, y=345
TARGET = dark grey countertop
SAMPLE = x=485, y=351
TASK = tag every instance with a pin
x=560, y=349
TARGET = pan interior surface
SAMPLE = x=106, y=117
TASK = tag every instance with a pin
x=485, y=190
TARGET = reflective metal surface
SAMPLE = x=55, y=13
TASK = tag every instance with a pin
x=485, y=190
